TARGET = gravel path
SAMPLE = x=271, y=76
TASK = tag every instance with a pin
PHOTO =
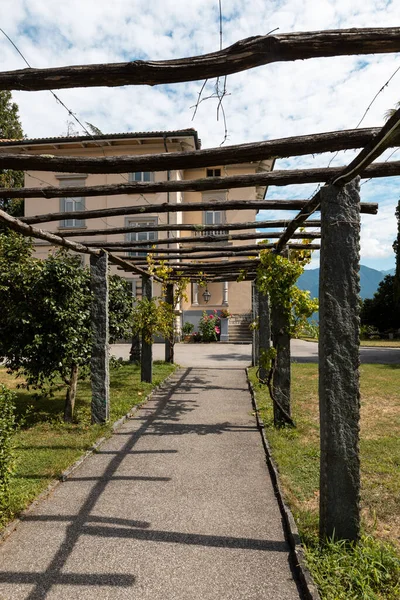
x=178, y=504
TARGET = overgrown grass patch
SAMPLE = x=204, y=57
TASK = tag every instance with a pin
x=45, y=446
x=296, y=453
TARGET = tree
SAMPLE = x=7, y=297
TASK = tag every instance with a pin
x=45, y=321
x=10, y=128
x=381, y=311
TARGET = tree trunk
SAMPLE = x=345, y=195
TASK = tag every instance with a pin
x=71, y=395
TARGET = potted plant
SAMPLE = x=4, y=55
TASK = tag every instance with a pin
x=187, y=329
x=225, y=315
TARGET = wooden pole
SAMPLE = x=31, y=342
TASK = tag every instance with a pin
x=100, y=350
x=314, y=143
x=244, y=54
x=280, y=322
x=147, y=345
x=275, y=178
x=339, y=393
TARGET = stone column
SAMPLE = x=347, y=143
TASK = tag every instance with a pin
x=99, y=363
x=147, y=347
x=225, y=290
x=339, y=394
x=255, y=338
x=280, y=324
x=195, y=299
x=264, y=331
x=169, y=342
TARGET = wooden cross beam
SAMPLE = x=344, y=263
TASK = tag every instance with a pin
x=278, y=178
x=357, y=166
x=244, y=54
x=185, y=227
x=199, y=239
x=228, y=155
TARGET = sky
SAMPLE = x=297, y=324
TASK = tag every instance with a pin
x=272, y=101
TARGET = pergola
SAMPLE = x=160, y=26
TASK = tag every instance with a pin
x=337, y=228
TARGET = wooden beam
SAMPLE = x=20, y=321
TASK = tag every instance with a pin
x=212, y=248
x=357, y=167
x=366, y=208
x=227, y=155
x=29, y=231
x=244, y=54
x=278, y=178
x=213, y=239
x=184, y=227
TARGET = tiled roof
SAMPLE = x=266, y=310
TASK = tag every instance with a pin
x=191, y=132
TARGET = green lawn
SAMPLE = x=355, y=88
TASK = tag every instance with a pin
x=367, y=343
x=45, y=446
x=296, y=453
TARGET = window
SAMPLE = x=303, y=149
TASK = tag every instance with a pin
x=141, y=176
x=213, y=217
x=72, y=205
x=141, y=235
x=213, y=172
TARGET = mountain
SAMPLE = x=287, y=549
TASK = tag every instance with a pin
x=369, y=281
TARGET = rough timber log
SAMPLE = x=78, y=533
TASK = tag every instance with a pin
x=214, y=248
x=185, y=227
x=357, y=167
x=244, y=54
x=202, y=239
x=227, y=155
x=278, y=178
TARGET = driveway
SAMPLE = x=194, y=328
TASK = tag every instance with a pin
x=239, y=355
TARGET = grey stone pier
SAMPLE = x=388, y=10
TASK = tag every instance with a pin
x=147, y=348
x=169, y=342
x=339, y=394
x=264, y=331
x=255, y=337
x=280, y=326
x=99, y=364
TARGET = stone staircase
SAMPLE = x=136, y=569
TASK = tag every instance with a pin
x=238, y=329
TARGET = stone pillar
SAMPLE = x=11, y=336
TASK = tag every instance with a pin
x=195, y=291
x=264, y=331
x=224, y=336
x=135, y=352
x=255, y=338
x=280, y=327
x=99, y=363
x=147, y=346
x=169, y=342
x=225, y=290
x=339, y=394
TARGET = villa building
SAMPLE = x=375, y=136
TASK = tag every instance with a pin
x=232, y=295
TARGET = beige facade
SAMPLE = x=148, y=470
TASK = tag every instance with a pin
x=235, y=296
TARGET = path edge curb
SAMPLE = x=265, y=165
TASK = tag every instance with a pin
x=64, y=475
x=307, y=583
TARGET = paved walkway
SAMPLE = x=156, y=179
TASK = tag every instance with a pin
x=239, y=355
x=178, y=504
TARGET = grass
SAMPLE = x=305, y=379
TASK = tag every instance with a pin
x=366, y=343
x=296, y=452
x=45, y=446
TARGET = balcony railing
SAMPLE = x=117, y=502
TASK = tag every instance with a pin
x=214, y=232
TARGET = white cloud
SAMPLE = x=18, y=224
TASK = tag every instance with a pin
x=277, y=100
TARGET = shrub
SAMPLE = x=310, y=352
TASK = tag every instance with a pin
x=210, y=327
x=7, y=429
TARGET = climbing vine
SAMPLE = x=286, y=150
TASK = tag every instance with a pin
x=277, y=275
